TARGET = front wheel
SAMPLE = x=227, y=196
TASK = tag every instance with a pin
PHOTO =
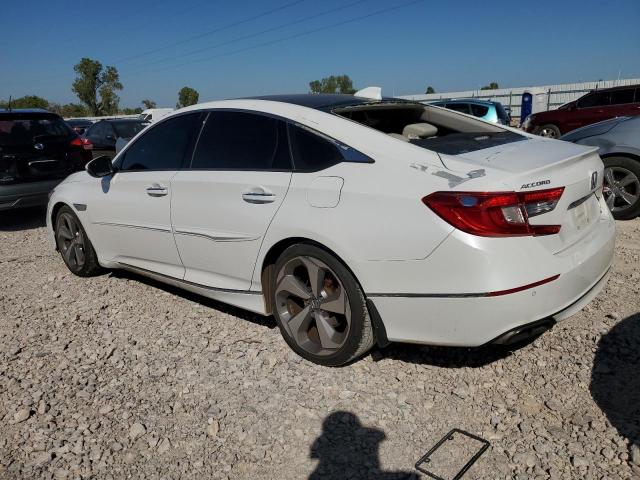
x=622, y=187
x=74, y=245
x=319, y=307
x=549, y=131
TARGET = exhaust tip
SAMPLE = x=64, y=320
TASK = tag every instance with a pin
x=524, y=333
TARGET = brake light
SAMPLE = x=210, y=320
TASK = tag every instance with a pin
x=496, y=214
x=82, y=142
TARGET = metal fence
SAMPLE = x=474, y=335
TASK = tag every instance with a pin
x=556, y=95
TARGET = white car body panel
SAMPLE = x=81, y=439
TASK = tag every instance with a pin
x=218, y=233
x=427, y=280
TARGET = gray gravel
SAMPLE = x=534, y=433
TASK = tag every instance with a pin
x=117, y=376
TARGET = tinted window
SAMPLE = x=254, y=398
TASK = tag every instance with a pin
x=311, y=151
x=164, y=146
x=619, y=97
x=242, y=141
x=459, y=107
x=128, y=129
x=27, y=130
x=597, y=99
x=97, y=130
x=479, y=110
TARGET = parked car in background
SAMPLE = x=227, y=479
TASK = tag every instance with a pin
x=37, y=151
x=618, y=140
x=590, y=108
x=105, y=133
x=79, y=125
x=154, y=114
x=351, y=220
x=492, y=112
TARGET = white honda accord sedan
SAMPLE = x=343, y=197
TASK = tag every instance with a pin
x=351, y=220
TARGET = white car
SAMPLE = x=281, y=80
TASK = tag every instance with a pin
x=351, y=220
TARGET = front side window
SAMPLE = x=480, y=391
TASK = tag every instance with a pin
x=164, y=146
x=242, y=141
x=596, y=99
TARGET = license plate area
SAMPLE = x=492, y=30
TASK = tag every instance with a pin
x=452, y=456
x=583, y=213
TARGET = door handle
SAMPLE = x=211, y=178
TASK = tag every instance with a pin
x=258, y=195
x=157, y=190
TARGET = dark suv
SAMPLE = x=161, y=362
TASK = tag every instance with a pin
x=590, y=108
x=37, y=151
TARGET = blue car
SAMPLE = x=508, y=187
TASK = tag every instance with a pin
x=492, y=112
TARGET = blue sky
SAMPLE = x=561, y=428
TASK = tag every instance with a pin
x=217, y=47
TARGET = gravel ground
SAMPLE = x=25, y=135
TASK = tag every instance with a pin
x=117, y=376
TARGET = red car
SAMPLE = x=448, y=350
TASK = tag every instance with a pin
x=591, y=108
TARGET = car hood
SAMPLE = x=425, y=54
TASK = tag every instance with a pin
x=593, y=129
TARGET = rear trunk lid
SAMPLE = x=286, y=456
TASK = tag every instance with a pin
x=540, y=164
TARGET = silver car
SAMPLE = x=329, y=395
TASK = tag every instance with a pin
x=618, y=140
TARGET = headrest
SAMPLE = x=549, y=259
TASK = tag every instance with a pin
x=419, y=130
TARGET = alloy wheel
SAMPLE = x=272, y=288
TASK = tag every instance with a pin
x=548, y=133
x=621, y=188
x=312, y=305
x=70, y=241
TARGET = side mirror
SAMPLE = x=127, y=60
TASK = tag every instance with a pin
x=100, y=167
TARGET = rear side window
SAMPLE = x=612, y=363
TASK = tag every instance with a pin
x=311, y=151
x=619, y=97
x=479, y=110
x=596, y=99
x=164, y=146
x=242, y=141
x=458, y=107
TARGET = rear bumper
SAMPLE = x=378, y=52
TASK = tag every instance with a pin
x=474, y=320
x=28, y=194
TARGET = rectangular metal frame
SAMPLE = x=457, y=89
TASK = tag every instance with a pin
x=449, y=436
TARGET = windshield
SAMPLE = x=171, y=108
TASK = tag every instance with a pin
x=128, y=129
x=21, y=131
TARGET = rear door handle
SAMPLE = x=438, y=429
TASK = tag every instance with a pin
x=258, y=195
x=157, y=190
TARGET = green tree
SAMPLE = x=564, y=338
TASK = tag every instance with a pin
x=70, y=110
x=96, y=86
x=187, y=96
x=430, y=89
x=491, y=86
x=28, y=101
x=333, y=84
x=146, y=103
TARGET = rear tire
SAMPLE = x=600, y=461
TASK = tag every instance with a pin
x=622, y=187
x=549, y=131
x=319, y=307
x=74, y=246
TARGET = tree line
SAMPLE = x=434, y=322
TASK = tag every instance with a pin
x=96, y=87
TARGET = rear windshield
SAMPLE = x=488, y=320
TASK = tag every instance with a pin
x=128, y=129
x=20, y=131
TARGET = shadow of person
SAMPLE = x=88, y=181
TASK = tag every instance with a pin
x=347, y=450
x=615, y=379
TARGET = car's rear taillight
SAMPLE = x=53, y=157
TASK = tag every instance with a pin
x=496, y=214
x=82, y=142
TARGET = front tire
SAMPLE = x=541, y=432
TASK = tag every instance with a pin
x=319, y=306
x=74, y=246
x=549, y=131
x=622, y=187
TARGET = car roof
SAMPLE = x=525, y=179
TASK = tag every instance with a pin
x=123, y=120
x=27, y=113
x=467, y=100
x=611, y=89
x=326, y=101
